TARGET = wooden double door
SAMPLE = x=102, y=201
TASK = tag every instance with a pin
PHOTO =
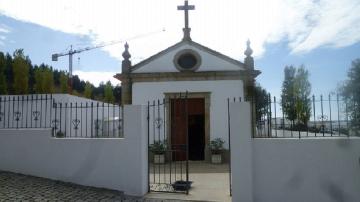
x=188, y=128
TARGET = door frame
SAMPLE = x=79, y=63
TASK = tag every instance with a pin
x=206, y=96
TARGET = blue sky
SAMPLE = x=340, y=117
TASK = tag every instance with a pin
x=322, y=35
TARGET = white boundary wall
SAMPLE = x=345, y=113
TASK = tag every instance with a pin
x=119, y=164
x=311, y=169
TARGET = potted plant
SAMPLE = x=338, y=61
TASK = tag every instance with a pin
x=60, y=134
x=216, y=147
x=158, y=148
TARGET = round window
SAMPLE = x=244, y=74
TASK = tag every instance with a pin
x=186, y=60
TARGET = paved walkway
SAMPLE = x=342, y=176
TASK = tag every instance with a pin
x=210, y=182
x=17, y=187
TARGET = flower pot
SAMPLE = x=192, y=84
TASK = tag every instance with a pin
x=216, y=158
x=159, y=158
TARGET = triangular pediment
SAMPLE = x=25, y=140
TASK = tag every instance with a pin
x=209, y=60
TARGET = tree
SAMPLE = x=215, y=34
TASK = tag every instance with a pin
x=261, y=102
x=3, y=84
x=288, y=93
x=117, y=94
x=350, y=91
x=21, y=72
x=88, y=90
x=295, y=97
x=63, y=83
x=108, y=93
x=9, y=74
x=44, y=79
x=302, y=88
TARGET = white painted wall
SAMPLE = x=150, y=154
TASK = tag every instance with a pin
x=119, y=164
x=220, y=90
x=315, y=169
x=308, y=169
x=209, y=62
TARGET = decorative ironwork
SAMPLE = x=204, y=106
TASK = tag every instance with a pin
x=76, y=123
x=36, y=115
x=169, y=167
x=17, y=115
x=322, y=117
x=158, y=122
x=119, y=124
x=54, y=124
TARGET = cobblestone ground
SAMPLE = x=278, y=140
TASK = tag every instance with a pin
x=18, y=187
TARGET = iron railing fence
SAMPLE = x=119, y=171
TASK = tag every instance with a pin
x=79, y=118
x=165, y=142
x=330, y=116
x=25, y=111
x=87, y=120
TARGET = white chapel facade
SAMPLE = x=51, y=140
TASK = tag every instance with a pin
x=208, y=77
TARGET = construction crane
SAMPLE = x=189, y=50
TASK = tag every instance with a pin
x=71, y=52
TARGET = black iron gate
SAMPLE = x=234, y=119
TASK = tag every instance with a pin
x=168, y=145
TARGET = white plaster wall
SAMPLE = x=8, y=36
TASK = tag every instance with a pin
x=209, y=62
x=119, y=164
x=315, y=169
x=297, y=170
x=220, y=90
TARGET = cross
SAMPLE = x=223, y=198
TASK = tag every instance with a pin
x=186, y=7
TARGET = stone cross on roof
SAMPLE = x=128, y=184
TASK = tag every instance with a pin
x=186, y=7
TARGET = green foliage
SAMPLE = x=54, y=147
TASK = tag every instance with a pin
x=108, y=93
x=63, y=83
x=44, y=80
x=295, y=97
x=3, y=84
x=158, y=147
x=21, y=72
x=88, y=90
x=216, y=145
x=350, y=91
x=261, y=102
x=302, y=93
x=19, y=76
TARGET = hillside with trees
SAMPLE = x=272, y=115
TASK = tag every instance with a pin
x=19, y=76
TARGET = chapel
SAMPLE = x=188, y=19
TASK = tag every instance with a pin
x=208, y=77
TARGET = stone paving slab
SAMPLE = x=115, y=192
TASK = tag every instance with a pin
x=18, y=187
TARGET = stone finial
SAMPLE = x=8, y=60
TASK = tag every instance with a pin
x=249, y=60
x=248, y=52
x=126, y=63
x=126, y=55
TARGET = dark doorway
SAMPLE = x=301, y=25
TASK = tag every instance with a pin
x=196, y=137
x=195, y=126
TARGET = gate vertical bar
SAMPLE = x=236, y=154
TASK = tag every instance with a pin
x=187, y=142
x=331, y=128
x=148, y=140
x=322, y=116
x=229, y=142
x=313, y=101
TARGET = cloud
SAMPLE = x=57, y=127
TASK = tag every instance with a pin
x=221, y=25
x=4, y=29
x=96, y=77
